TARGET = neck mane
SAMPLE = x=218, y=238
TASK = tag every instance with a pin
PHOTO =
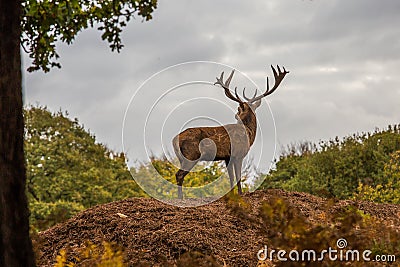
x=250, y=122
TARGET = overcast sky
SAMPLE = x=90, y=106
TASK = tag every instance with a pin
x=343, y=58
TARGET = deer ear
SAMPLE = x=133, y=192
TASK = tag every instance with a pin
x=241, y=105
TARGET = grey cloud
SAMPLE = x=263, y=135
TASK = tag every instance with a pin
x=343, y=58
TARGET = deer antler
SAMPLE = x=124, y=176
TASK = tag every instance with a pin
x=278, y=79
x=225, y=85
x=245, y=97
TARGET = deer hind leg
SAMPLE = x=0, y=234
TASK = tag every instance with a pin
x=186, y=166
x=238, y=172
x=229, y=167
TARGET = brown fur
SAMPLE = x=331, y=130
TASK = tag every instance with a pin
x=230, y=142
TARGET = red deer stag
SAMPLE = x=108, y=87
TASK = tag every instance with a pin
x=230, y=142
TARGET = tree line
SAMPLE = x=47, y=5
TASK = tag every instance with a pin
x=69, y=171
x=363, y=166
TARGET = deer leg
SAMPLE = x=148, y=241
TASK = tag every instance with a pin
x=180, y=175
x=229, y=166
x=238, y=172
x=186, y=166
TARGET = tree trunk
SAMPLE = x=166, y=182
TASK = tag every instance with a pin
x=15, y=244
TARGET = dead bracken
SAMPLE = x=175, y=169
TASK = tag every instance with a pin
x=157, y=234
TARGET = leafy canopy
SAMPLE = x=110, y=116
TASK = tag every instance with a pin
x=365, y=166
x=45, y=22
x=67, y=170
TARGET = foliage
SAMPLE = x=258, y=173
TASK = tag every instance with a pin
x=286, y=228
x=107, y=255
x=340, y=168
x=110, y=255
x=202, y=174
x=67, y=171
x=46, y=214
x=46, y=22
x=385, y=191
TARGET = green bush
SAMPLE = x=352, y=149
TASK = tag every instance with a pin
x=67, y=170
x=46, y=214
x=388, y=189
x=340, y=168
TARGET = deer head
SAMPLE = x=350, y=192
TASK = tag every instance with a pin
x=251, y=104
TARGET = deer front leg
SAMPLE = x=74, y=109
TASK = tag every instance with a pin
x=229, y=167
x=186, y=166
x=238, y=173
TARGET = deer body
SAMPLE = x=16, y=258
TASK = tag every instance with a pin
x=188, y=142
x=230, y=142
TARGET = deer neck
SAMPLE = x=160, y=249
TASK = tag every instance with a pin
x=250, y=123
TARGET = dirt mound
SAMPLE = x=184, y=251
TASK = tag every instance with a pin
x=153, y=233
